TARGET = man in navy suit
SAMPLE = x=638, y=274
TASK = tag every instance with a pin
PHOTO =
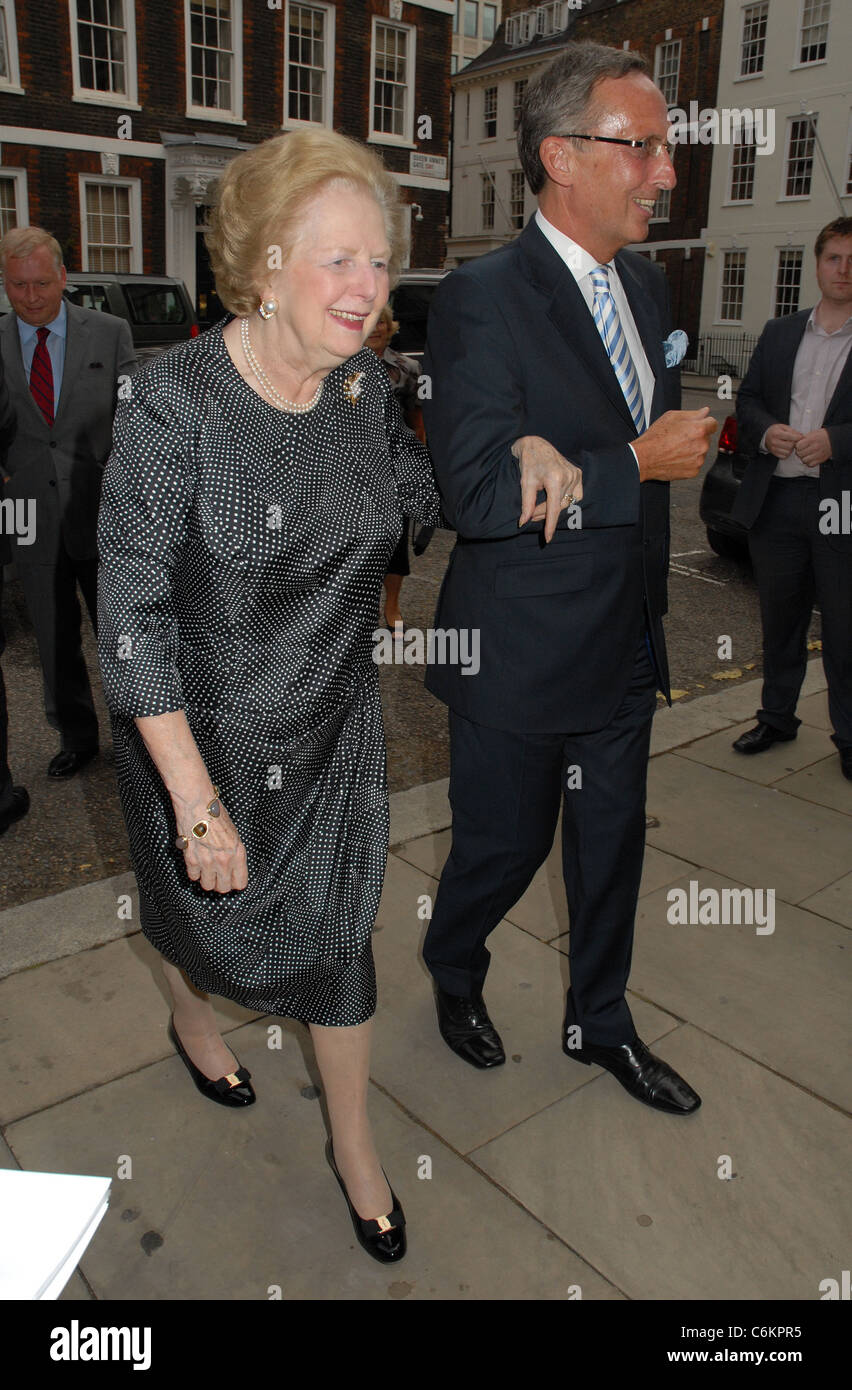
x=554, y=429
x=795, y=413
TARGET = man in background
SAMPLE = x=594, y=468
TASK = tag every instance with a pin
x=62, y=366
x=794, y=409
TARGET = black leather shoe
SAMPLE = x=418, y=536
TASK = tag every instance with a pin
x=645, y=1076
x=760, y=737
x=845, y=763
x=383, y=1237
x=235, y=1089
x=466, y=1029
x=19, y=807
x=67, y=764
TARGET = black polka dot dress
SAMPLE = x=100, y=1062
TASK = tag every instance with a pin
x=242, y=550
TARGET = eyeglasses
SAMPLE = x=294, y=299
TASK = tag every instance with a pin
x=651, y=146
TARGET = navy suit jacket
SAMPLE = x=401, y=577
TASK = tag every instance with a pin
x=764, y=399
x=513, y=350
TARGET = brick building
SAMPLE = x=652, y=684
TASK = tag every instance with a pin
x=117, y=116
x=490, y=202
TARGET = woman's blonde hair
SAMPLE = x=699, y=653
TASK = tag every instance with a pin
x=262, y=196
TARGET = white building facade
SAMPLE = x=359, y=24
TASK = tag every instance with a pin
x=792, y=60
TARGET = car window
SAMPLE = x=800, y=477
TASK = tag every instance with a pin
x=410, y=305
x=155, y=305
x=89, y=296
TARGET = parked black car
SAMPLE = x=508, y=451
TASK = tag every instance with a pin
x=410, y=299
x=157, y=307
x=721, y=484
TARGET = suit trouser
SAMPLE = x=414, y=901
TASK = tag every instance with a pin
x=50, y=591
x=794, y=563
x=5, y=774
x=505, y=793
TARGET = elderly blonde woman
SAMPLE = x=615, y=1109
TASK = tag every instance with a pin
x=255, y=492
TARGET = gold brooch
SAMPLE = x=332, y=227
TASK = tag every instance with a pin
x=352, y=387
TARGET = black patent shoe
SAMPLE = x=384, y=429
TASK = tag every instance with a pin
x=235, y=1089
x=644, y=1076
x=382, y=1237
x=466, y=1029
x=758, y=739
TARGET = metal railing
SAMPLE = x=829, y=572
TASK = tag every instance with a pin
x=720, y=354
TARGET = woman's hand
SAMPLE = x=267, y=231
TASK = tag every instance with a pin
x=218, y=861
x=543, y=467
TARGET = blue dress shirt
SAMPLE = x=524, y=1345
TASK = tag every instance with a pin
x=55, y=348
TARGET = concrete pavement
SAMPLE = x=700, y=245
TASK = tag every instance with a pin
x=541, y=1180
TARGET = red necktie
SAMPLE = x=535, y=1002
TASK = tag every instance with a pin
x=41, y=377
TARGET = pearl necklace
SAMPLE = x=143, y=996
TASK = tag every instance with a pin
x=292, y=406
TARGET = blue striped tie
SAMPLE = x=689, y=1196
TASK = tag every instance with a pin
x=608, y=325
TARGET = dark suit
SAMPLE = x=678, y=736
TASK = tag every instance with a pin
x=59, y=469
x=795, y=561
x=565, y=680
x=7, y=429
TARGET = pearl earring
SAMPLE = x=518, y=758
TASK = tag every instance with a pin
x=268, y=308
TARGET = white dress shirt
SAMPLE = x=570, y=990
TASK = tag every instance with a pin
x=581, y=264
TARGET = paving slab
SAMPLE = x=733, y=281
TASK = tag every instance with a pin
x=781, y=997
x=83, y=1020
x=824, y=783
x=542, y=910
x=813, y=709
x=639, y=1192
x=7, y=1158
x=49, y=928
x=835, y=901
x=757, y=835
x=525, y=994
x=241, y=1204
x=811, y=745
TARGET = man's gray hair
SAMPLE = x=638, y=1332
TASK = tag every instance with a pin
x=562, y=98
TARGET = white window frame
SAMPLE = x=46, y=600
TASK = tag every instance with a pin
x=730, y=200
x=22, y=197
x=209, y=113
x=380, y=137
x=294, y=122
x=798, y=62
x=517, y=105
x=127, y=102
x=486, y=183
x=12, y=83
x=674, y=44
x=515, y=176
x=779, y=252
x=664, y=194
x=495, y=88
x=135, y=186
x=784, y=196
x=738, y=251
x=747, y=76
